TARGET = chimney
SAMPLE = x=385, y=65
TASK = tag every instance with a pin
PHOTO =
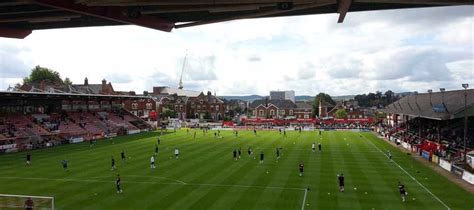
x=104, y=86
x=86, y=81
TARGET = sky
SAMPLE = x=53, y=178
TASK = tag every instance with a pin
x=398, y=50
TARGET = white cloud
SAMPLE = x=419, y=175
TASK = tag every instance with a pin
x=401, y=50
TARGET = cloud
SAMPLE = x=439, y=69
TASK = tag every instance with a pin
x=254, y=58
x=306, y=71
x=199, y=68
x=13, y=63
x=159, y=79
x=119, y=78
x=402, y=50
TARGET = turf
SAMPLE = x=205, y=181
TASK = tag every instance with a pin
x=206, y=176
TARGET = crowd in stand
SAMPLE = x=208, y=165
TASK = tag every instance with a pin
x=419, y=131
x=338, y=125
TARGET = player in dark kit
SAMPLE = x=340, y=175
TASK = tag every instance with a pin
x=113, y=164
x=261, y=157
x=319, y=146
x=277, y=153
x=28, y=159
x=254, y=131
x=194, y=135
x=284, y=132
x=340, y=177
x=158, y=140
x=402, y=190
x=239, y=152
x=249, y=151
x=301, y=165
x=320, y=132
x=117, y=184
x=29, y=204
x=234, y=153
x=156, y=149
x=122, y=154
x=64, y=163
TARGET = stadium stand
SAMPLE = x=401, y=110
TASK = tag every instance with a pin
x=432, y=123
x=46, y=119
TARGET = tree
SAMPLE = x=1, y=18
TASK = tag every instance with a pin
x=67, y=81
x=168, y=113
x=341, y=114
x=39, y=74
x=325, y=98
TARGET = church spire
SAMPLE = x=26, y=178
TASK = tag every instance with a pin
x=180, y=86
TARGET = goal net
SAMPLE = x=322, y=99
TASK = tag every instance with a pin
x=11, y=202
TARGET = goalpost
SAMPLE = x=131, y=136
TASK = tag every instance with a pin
x=8, y=202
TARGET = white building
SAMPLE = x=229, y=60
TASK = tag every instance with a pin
x=287, y=94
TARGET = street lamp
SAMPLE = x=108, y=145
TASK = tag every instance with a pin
x=442, y=98
x=465, y=86
x=430, y=92
x=416, y=100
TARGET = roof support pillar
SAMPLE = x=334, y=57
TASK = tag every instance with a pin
x=342, y=9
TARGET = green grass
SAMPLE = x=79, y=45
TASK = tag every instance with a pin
x=215, y=181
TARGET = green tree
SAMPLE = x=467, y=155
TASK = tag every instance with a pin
x=67, y=81
x=168, y=113
x=341, y=114
x=325, y=98
x=39, y=74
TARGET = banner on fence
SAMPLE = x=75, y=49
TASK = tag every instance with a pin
x=468, y=177
x=445, y=164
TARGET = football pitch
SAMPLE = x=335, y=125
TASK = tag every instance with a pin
x=207, y=177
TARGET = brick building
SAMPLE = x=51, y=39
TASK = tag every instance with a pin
x=280, y=109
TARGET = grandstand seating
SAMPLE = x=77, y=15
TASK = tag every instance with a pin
x=45, y=128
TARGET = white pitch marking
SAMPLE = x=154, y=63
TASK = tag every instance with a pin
x=160, y=183
x=304, y=199
x=394, y=162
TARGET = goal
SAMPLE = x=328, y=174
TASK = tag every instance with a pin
x=10, y=202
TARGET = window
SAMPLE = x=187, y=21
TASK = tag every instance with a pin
x=283, y=112
x=272, y=112
x=176, y=107
x=260, y=113
x=134, y=106
x=180, y=108
x=217, y=107
x=306, y=116
x=148, y=105
x=291, y=111
x=201, y=101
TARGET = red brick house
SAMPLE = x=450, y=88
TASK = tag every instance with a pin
x=280, y=109
x=206, y=106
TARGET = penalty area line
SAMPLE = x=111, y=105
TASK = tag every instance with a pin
x=406, y=172
x=304, y=198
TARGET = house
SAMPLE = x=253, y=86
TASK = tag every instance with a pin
x=280, y=109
